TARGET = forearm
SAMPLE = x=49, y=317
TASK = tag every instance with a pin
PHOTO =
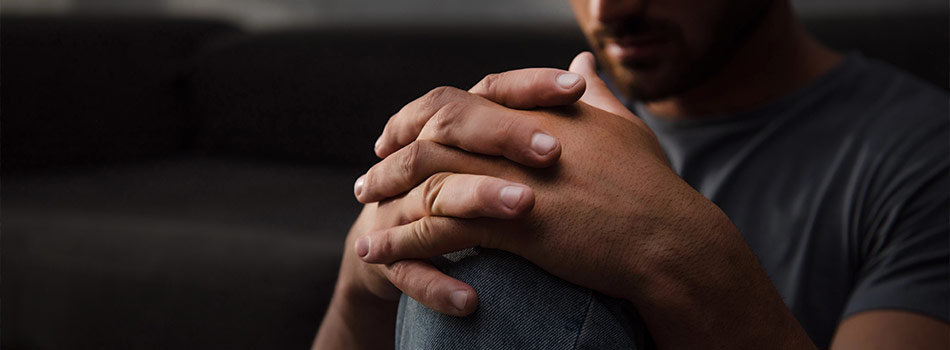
x=356, y=318
x=715, y=296
x=356, y=321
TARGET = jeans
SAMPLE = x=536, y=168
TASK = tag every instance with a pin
x=520, y=307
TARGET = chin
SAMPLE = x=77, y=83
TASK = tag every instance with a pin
x=647, y=83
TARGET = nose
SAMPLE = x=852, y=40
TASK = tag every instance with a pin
x=606, y=11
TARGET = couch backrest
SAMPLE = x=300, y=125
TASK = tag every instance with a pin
x=325, y=94
x=917, y=43
x=91, y=90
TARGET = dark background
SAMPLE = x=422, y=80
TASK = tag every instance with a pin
x=186, y=181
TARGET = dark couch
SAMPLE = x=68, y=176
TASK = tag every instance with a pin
x=176, y=184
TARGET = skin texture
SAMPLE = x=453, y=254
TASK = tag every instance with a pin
x=361, y=314
x=449, y=155
x=683, y=261
x=718, y=57
x=689, y=40
x=891, y=329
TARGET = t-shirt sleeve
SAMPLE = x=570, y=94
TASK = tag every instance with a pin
x=905, y=251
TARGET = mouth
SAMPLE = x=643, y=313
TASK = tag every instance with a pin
x=634, y=48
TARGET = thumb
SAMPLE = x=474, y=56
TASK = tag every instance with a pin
x=597, y=93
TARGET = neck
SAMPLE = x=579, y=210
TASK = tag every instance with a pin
x=778, y=58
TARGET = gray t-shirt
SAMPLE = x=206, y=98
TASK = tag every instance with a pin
x=841, y=189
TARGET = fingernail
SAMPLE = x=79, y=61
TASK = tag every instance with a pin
x=459, y=299
x=358, y=186
x=567, y=80
x=511, y=195
x=542, y=143
x=378, y=141
x=362, y=247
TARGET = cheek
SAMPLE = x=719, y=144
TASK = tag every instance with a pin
x=586, y=23
x=696, y=23
x=715, y=25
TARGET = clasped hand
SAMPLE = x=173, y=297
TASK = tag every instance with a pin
x=580, y=188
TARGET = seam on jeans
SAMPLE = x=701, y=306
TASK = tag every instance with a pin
x=580, y=330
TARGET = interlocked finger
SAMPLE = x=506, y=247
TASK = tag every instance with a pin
x=462, y=196
x=415, y=163
x=429, y=286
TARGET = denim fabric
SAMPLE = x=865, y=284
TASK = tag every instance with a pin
x=520, y=307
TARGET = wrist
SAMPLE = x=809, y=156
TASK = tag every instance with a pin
x=356, y=319
x=709, y=283
x=698, y=241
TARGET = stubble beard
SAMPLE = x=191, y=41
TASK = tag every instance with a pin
x=687, y=68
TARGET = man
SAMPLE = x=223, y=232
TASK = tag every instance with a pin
x=757, y=190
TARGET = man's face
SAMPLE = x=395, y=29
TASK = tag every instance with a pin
x=654, y=49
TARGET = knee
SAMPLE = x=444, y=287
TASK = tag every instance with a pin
x=520, y=306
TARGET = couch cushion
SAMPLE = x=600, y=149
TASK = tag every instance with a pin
x=186, y=253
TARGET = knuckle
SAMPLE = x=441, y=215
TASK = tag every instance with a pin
x=395, y=125
x=447, y=115
x=431, y=189
x=393, y=119
x=422, y=235
x=488, y=82
x=435, y=97
x=385, y=249
x=396, y=272
x=409, y=162
x=429, y=289
x=506, y=129
x=369, y=183
x=481, y=193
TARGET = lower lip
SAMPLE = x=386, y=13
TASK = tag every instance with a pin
x=634, y=52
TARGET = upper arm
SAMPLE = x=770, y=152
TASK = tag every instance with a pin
x=901, y=285
x=891, y=329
